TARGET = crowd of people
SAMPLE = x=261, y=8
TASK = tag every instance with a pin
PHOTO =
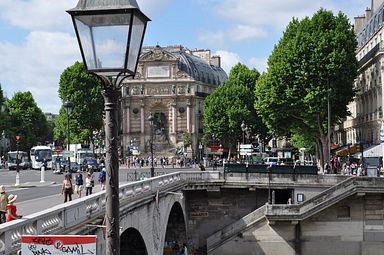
x=346, y=167
x=139, y=162
x=68, y=188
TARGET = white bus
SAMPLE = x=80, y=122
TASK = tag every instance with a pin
x=40, y=154
x=23, y=160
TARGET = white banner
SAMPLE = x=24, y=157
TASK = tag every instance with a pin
x=58, y=245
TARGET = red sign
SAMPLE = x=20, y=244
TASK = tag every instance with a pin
x=57, y=150
x=215, y=148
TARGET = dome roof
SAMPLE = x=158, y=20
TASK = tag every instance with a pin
x=196, y=67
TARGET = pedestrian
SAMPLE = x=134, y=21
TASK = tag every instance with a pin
x=89, y=183
x=79, y=183
x=289, y=201
x=3, y=204
x=102, y=178
x=11, y=208
x=67, y=188
x=202, y=168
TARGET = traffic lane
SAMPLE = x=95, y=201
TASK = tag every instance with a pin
x=30, y=193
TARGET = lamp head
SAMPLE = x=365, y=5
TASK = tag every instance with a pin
x=110, y=34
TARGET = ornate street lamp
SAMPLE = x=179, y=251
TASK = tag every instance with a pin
x=68, y=108
x=151, y=119
x=110, y=34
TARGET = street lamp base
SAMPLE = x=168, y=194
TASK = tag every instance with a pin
x=152, y=172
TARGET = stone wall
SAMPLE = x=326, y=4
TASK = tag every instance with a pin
x=353, y=226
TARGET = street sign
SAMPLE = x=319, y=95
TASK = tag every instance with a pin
x=246, y=146
x=67, y=154
x=244, y=153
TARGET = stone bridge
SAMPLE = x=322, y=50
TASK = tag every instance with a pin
x=146, y=222
x=220, y=213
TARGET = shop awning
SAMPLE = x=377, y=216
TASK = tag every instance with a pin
x=374, y=151
x=347, y=150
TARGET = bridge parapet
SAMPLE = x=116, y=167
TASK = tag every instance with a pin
x=65, y=218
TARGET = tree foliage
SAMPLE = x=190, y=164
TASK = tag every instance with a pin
x=228, y=106
x=84, y=90
x=27, y=121
x=313, y=62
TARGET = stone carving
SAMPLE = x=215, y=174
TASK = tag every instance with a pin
x=158, y=54
x=159, y=91
x=135, y=90
x=182, y=74
x=181, y=90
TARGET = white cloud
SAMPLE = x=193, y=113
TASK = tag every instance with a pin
x=37, y=14
x=228, y=59
x=244, y=32
x=259, y=63
x=36, y=66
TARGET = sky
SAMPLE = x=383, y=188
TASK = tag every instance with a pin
x=37, y=40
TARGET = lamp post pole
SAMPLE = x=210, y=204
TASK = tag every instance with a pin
x=122, y=24
x=68, y=107
x=17, y=183
x=150, y=119
x=3, y=145
x=244, y=129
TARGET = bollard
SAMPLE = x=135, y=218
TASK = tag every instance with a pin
x=42, y=172
x=17, y=179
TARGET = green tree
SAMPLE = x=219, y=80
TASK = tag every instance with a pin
x=27, y=121
x=228, y=106
x=84, y=90
x=313, y=63
x=4, y=120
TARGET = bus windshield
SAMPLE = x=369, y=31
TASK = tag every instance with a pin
x=12, y=155
x=43, y=154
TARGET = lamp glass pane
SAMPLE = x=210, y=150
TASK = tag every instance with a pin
x=104, y=39
x=135, y=44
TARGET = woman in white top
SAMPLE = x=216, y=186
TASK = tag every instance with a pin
x=89, y=183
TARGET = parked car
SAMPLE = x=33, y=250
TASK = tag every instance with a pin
x=91, y=163
x=75, y=167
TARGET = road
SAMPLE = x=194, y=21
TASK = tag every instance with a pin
x=35, y=196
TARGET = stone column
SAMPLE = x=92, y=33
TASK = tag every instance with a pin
x=128, y=122
x=174, y=118
x=189, y=116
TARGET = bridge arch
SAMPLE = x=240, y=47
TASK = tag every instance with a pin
x=176, y=227
x=132, y=243
x=151, y=219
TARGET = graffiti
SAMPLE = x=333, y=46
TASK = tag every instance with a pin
x=58, y=245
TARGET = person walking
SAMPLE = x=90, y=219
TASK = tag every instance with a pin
x=3, y=204
x=79, y=183
x=102, y=178
x=67, y=188
x=11, y=209
x=89, y=183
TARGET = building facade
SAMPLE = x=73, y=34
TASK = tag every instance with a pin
x=171, y=83
x=363, y=126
